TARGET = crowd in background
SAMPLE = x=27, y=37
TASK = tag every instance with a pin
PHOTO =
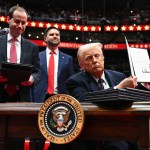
x=83, y=16
x=52, y=13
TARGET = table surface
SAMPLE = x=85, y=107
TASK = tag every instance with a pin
x=33, y=108
x=21, y=120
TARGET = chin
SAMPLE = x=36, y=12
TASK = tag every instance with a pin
x=98, y=73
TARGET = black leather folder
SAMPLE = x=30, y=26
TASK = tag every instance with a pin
x=16, y=73
x=117, y=98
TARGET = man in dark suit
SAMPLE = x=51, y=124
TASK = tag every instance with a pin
x=25, y=53
x=91, y=61
x=64, y=67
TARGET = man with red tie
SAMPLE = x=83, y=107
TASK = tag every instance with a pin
x=15, y=49
x=56, y=67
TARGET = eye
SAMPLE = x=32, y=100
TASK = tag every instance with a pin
x=89, y=58
x=57, y=34
x=97, y=56
x=18, y=22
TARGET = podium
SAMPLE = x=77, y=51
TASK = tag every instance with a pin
x=21, y=120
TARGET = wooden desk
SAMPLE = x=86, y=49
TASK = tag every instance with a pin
x=20, y=120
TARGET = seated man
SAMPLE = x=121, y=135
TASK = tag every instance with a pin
x=91, y=60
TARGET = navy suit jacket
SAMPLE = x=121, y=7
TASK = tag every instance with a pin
x=29, y=55
x=83, y=82
x=65, y=70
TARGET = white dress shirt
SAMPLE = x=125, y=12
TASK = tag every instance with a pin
x=18, y=47
x=105, y=83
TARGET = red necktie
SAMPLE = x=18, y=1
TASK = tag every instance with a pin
x=11, y=89
x=27, y=144
x=46, y=145
x=50, y=88
x=13, y=53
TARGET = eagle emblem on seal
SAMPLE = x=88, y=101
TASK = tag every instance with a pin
x=60, y=119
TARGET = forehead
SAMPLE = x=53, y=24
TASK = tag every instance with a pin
x=20, y=14
x=53, y=31
x=92, y=51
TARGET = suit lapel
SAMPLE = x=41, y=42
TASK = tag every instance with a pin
x=60, y=62
x=109, y=79
x=23, y=50
x=43, y=60
x=92, y=82
x=3, y=47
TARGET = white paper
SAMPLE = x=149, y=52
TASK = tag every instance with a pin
x=139, y=63
x=130, y=59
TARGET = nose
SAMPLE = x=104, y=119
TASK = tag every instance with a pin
x=19, y=24
x=94, y=59
x=55, y=35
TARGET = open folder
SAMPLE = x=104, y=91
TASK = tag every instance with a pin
x=16, y=73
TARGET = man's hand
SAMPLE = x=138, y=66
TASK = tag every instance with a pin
x=3, y=79
x=26, y=83
x=130, y=82
x=146, y=85
x=29, y=82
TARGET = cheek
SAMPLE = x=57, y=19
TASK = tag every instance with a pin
x=46, y=39
x=24, y=26
x=88, y=66
x=101, y=62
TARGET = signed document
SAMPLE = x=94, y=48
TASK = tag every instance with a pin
x=139, y=63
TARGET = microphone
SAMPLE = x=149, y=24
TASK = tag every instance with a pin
x=104, y=21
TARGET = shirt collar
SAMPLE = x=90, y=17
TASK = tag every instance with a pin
x=10, y=37
x=102, y=77
x=48, y=51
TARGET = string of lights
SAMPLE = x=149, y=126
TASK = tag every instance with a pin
x=75, y=27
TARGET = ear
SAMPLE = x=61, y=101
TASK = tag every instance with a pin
x=81, y=65
x=45, y=39
x=8, y=19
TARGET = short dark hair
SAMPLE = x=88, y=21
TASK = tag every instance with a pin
x=12, y=9
x=52, y=27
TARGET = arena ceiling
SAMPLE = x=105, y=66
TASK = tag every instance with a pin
x=118, y=4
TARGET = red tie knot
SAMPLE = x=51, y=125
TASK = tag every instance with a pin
x=13, y=40
x=52, y=52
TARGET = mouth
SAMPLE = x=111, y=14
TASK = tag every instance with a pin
x=20, y=30
x=97, y=66
x=55, y=40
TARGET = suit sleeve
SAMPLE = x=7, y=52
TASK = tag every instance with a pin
x=71, y=67
x=76, y=89
x=36, y=62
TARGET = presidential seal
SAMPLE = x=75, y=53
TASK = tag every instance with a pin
x=61, y=119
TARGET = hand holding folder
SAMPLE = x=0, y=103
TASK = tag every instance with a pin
x=3, y=79
x=15, y=73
